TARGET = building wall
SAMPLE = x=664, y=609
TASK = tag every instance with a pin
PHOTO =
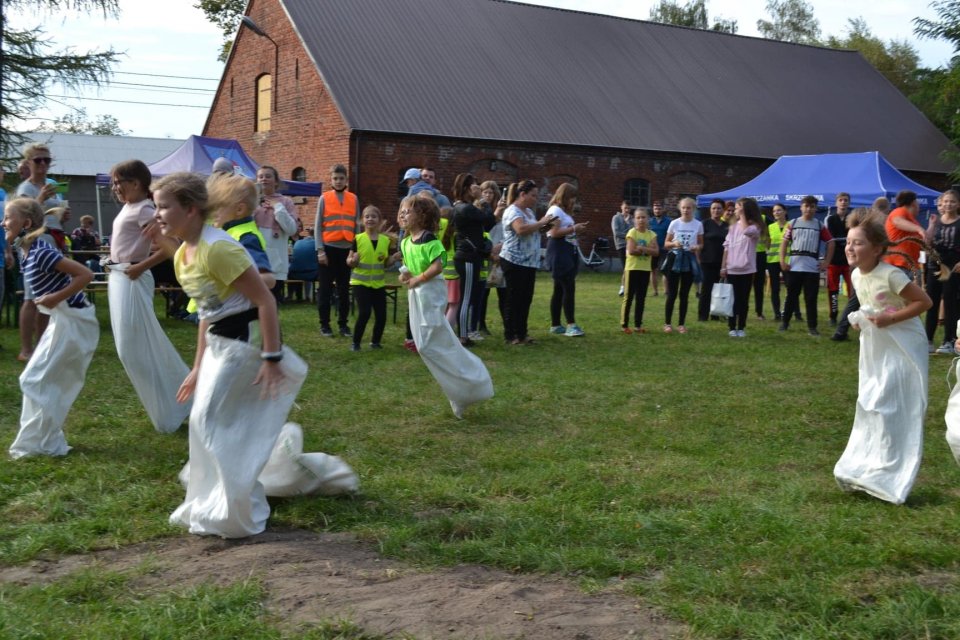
x=600, y=174
x=307, y=130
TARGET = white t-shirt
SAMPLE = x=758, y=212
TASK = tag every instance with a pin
x=685, y=233
x=563, y=221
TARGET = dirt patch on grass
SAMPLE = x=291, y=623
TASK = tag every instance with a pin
x=312, y=577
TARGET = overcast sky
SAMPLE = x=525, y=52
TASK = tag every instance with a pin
x=172, y=38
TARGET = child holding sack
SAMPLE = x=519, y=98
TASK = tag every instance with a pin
x=54, y=376
x=886, y=443
x=462, y=375
x=233, y=429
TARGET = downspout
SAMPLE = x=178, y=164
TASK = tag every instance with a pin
x=356, y=162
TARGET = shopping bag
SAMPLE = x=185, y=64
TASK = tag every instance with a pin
x=721, y=299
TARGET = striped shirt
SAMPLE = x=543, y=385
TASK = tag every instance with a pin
x=40, y=270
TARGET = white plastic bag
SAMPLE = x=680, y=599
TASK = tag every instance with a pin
x=721, y=299
x=53, y=379
x=154, y=367
x=886, y=443
x=232, y=435
x=462, y=375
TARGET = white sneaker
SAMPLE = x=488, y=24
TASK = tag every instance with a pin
x=620, y=293
x=741, y=333
x=476, y=336
x=732, y=333
x=457, y=410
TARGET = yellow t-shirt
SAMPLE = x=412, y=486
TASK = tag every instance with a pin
x=642, y=238
x=207, y=279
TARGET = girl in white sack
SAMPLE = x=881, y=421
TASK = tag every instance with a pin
x=886, y=443
x=133, y=319
x=56, y=371
x=243, y=381
x=462, y=375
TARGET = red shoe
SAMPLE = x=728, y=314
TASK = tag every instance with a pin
x=410, y=346
x=627, y=330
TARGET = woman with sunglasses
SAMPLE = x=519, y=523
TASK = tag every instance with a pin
x=37, y=159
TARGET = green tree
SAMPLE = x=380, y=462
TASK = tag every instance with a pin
x=225, y=14
x=693, y=14
x=898, y=60
x=791, y=21
x=946, y=27
x=29, y=66
x=939, y=92
x=79, y=122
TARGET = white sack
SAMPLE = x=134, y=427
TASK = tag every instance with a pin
x=53, y=379
x=462, y=375
x=152, y=364
x=886, y=444
x=952, y=416
x=291, y=472
x=232, y=434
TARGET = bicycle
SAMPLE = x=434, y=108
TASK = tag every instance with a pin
x=595, y=260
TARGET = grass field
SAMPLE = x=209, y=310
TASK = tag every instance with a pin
x=697, y=469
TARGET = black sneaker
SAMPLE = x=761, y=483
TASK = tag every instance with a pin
x=782, y=328
x=345, y=332
x=326, y=332
x=833, y=322
x=354, y=347
x=839, y=337
x=375, y=345
x=813, y=332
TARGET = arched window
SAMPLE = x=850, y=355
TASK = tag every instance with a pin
x=637, y=192
x=299, y=174
x=264, y=99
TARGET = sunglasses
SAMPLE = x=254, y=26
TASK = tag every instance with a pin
x=42, y=160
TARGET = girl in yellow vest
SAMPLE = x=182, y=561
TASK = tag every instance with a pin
x=368, y=257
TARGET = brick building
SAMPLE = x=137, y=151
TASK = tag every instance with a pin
x=625, y=109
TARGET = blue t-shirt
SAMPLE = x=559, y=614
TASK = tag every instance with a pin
x=40, y=270
x=660, y=228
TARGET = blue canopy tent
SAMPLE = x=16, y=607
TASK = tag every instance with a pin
x=198, y=154
x=865, y=176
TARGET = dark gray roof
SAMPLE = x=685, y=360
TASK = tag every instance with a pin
x=496, y=70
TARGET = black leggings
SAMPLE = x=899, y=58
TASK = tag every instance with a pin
x=564, y=296
x=637, y=284
x=773, y=269
x=741, y=300
x=369, y=299
x=946, y=291
x=759, y=282
x=678, y=283
x=520, y=287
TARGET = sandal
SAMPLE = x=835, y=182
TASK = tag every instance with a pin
x=682, y=329
x=667, y=328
